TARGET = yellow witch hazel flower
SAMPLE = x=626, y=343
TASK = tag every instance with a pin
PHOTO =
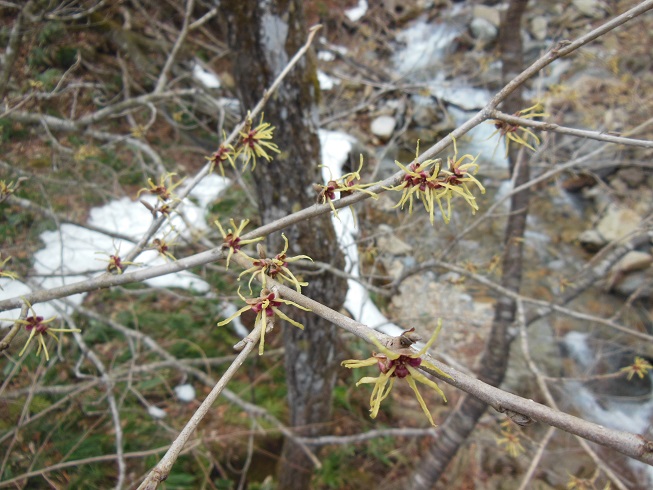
x=276, y=267
x=431, y=184
x=116, y=264
x=266, y=307
x=422, y=182
x=639, y=367
x=7, y=189
x=510, y=131
x=163, y=247
x=345, y=185
x=5, y=273
x=456, y=178
x=39, y=328
x=232, y=238
x=510, y=440
x=224, y=153
x=403, y=365
x=256, y=142
x=163, y=191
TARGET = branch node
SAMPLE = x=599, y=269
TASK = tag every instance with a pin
x=518, y=418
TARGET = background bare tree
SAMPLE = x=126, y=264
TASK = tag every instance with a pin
x=268, y=34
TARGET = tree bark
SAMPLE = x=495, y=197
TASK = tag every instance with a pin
x=263, y=36
x=463, y=419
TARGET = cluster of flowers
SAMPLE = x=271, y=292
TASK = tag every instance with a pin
x=345, y=185
x=400, y=364
x=266, y=305
x=253, y=143
x=430, y=183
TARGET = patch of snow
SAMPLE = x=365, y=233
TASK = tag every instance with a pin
x=185, y=393
x=73, y=253
x=325, y=56
x=481, y=141
x=466, y=98
x=228, y=309
x=336, y=147
x=356, y=13
x=156, y=412
x=12, y=289
x=616, y=414
x=579, y=350
x=205, y=77
x=326, y=82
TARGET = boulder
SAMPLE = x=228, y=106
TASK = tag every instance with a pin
x=618, y=222
x=383, y=126
x=483, y=30
x=539, y=27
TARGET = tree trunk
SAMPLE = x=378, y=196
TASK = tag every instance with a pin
x=463, y=419
x=263, y=36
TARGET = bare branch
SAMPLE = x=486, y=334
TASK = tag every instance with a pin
x=366, y=436
x=581, y=133
x=163, y=77
x=162, y=469
x=11, y=51
x=541, y=383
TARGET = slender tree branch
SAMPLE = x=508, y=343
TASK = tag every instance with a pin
x=162, y=469
x=6, y=340
x=111, y=399
x=95, y=459
x=541, y=383
x=632, y=445
x=163, y=77
x=536, y=458
x=563, y=48
x=31, y=206
x=556, y=128
x=366, y=436
x=230, y=139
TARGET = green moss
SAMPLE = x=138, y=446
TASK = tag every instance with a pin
x=12, y=131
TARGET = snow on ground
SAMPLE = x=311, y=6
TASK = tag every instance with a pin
x=336, y=147
x=326, y=82
x=72, y=253
x=356, y=13
x=205, y=77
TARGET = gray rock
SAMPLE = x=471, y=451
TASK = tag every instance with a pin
x=391, y=244
x=632, y=176
x=483, y=30
x=640, y=281
x=539, y=26
x=490, y=14
x=425, y=116
x=633, y=261
x=592, y=240
x=617, y=222
x=383, y=126
x=590, y=8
